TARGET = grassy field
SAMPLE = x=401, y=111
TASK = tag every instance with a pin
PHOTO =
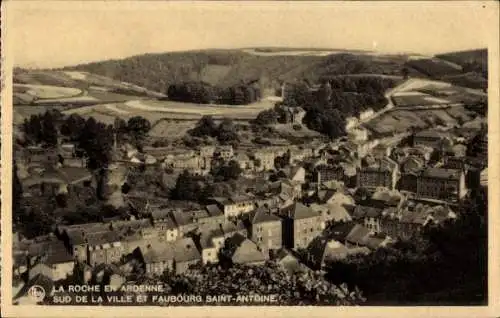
x=471, y=79
x=79, y=80
x=171, y=128
x=397, y=121
x=435, y=67
x=46, y=91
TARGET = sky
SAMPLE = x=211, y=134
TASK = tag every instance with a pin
x=54, y=34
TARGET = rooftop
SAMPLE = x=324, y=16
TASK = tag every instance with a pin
x=442, y=173
x=262, y=215
x=299, y=211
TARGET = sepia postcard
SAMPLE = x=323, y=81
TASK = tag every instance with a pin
x=250, y=158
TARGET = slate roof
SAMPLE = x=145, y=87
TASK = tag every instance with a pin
x=357, y=234
x=361, y=211
x=441, y=173
x=338, y=212
x=299, y=211
x=214, y=210
x=159, y=214
x=181, y=218
x=185, y=250
x=248, y=252
x=101, y=238
x=230, y=227
x=262, y=215
x=53, y=253
x=158, y=253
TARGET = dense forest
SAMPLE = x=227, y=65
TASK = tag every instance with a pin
x=226, y=68
x=204, y=93
x=337, y=99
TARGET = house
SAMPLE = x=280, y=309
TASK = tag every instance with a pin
x=291, y=188
x=185, y=255
x=293, y=115
x=229, y=228
x=104, y=247
x=266, y=229
x=192, y=163
x=50, y=258
x=39, y=155
x=361, y=236
x=164, y=224
x=454, y=163
x=323, y=251
x=334, y=197
x=408, y=182
x=225, y=152
x=212, y=219
x=184, y=222
x=430, y=138
x=332, y=212
x=158, y=257
x=295, y=173
x=236, y=204
x=383, y=173
x=369, y=216
x=289, y=262
x=207, y=151
x=411, y=163
x=210, y=244
x=244, y=161
x=247, y=252
x=53, y=181
x=264, y=160
x=301, y=225
x=159, y=153
x=442, y=184
x=410, y=219
x=329, y=173
x=300, y=154
x=381, y=151
x=175, y=256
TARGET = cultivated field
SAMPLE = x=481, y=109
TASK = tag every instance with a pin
x=46, y=91
x=416, y=99
x=80, y=80
x=399, y=120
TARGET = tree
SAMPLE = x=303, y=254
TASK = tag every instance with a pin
x=205, y=127
x=266, y=117
x=49, y=129
x=304, y=288
x=231, y=171
x=138, y=127
x=226, y=133
x=187, y=187
x=72, y=126
x=96, y=139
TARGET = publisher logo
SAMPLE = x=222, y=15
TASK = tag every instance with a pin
x=37, y=293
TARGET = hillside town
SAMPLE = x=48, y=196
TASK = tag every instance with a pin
x=299, y=207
